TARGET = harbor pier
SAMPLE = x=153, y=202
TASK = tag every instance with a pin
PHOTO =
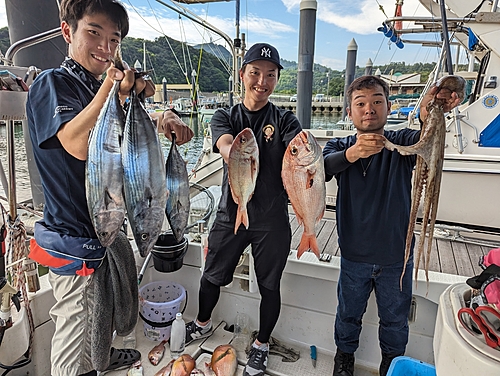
x=334, y=107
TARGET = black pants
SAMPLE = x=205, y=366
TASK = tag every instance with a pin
x=270, y=306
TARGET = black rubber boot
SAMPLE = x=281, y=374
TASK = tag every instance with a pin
x=343, y=364
x=386, y=363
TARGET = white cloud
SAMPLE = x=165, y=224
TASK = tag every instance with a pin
x=3, y=14
x=148, y=24
x=357, y=16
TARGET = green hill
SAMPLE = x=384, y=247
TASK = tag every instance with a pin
x=167, y=56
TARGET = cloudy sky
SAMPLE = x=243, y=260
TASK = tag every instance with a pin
x=277, y=22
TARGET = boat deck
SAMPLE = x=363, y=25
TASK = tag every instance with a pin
x=452, y=253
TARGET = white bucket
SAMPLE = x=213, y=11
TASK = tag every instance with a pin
x=160, y=301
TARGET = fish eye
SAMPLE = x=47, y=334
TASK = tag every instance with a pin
x=294, y=150
x=144, y=237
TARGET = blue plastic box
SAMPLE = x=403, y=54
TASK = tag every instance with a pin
x=406, y=366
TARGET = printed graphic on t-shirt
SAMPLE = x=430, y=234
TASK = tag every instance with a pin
x=61, y=109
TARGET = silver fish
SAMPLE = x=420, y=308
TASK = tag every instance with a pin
x=104, y=170
x=144, y=176
x=198, y=372
x=178, y=204
x=136, y=369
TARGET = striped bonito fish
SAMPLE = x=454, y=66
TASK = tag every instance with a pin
x=144, y=176
x=178, y=203
x=104, y=170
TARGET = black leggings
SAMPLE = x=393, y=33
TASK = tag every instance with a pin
x=270, y=306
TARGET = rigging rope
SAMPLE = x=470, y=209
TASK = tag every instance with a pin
x=158, y=31
x=16, y=253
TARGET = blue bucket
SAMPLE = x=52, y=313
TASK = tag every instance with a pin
x=406, y=366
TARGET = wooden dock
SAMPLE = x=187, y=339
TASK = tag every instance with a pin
x=457, y=257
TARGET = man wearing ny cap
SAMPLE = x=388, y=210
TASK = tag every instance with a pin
x=269, y=230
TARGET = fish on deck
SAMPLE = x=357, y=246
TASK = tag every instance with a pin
x=183, y=366
x=136, y=369
x=157, y=352
x=224, y=361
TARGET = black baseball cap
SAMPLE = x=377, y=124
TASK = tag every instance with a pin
x=262, y=51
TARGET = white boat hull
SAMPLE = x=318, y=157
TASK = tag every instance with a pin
x=308, y=311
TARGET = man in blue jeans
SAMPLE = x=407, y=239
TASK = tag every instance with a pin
x=373, y=210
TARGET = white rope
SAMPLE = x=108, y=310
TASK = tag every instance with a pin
x=17, y=250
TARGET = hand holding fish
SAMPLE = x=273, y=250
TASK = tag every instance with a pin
x=128, y=77
x=168, y=122
x=451, y=100
x=367, y=144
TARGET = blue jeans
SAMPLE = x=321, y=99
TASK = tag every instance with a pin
x=356, y=282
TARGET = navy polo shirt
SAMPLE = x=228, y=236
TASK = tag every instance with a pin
x=267, y=208
x=372, y=211
x=54, y=98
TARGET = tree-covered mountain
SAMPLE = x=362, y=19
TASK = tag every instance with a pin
x=175, y=61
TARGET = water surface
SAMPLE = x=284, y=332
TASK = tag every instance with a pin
x=190, y=151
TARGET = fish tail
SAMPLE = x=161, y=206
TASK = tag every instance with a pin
x=307, y=242
x=241, y=217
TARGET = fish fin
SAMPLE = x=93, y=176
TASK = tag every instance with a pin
x=300, y=220
x=235, y=197
x=241, y=217
x=307, y=242
x=311, y=173
x=254, y=170
x=107, y=198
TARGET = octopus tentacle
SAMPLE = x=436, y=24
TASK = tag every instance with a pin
x=428, y=173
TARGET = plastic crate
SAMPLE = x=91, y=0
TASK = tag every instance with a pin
x=406, y=366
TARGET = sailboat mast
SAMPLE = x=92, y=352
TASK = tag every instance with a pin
x=238, y=88
x=446, y=46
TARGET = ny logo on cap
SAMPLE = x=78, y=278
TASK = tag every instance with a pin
x=266, y=52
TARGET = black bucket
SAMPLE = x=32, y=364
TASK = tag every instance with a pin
x=168, y=253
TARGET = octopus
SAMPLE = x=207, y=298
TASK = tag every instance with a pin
x=428, y=171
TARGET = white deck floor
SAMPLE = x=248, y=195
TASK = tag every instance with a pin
x=201, y=351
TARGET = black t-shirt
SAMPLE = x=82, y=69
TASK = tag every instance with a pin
x=55, y=98
x=274, y=129
x=373, y=210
